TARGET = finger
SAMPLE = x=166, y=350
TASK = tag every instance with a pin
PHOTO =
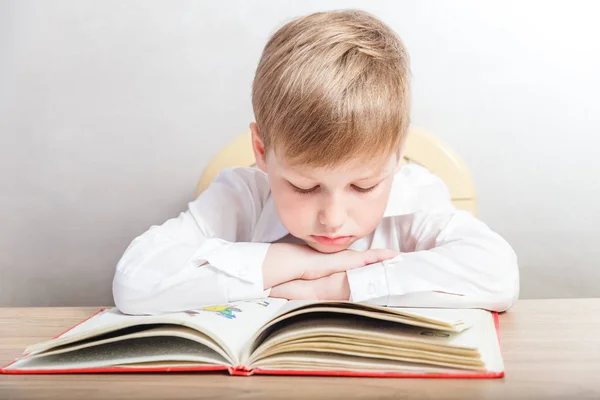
x=373, y=256
x=386, y=254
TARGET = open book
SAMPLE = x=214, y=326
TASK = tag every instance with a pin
x=276, y=336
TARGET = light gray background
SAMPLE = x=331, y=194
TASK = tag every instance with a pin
x=109, y=110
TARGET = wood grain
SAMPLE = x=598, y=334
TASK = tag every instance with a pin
x=551, y=350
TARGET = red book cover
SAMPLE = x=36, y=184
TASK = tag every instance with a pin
x=242, y=371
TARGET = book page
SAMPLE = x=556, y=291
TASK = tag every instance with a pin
x=364, y=329
x=229, y=326
x=302, y=361
x=237, y=322
x=163, y=349
x=444, y=318
x=475, y=348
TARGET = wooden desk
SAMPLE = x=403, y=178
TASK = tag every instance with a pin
x=551, y=350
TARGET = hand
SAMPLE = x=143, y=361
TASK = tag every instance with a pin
x=333, y=287
x=328, y=264
x=285, y=262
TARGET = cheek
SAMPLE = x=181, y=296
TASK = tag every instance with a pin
x=294, y=211
x=368, y=219
x=368, y=213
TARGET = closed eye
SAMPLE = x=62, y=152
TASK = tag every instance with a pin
x=303, y=191
x=364, y=190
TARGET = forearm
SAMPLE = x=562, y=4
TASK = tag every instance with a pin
x=286, y=262
x=311, y=275
x=191, y=289
x=332, y=287
x=158, y=274
x=475, y=271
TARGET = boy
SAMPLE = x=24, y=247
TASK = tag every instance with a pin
x=331, y=213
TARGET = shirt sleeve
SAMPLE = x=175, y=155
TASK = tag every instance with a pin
x=450, y=259
x=203, y=256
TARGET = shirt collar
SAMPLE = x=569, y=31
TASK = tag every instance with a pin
x=399, y=202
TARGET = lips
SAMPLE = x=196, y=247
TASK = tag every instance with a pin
x=328, y=240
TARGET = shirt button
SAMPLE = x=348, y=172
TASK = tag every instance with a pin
x=242, y=271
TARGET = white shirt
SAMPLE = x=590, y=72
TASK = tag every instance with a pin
x=451, y=259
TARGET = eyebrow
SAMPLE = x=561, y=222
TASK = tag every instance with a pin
x=380, y=174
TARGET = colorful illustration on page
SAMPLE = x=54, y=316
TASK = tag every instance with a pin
x=226, y=311
x=260, y=302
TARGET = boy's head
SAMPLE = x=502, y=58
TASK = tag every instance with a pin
x=332, y=105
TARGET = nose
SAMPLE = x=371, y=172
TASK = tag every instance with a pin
x=333, y=214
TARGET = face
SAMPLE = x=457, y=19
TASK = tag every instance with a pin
x=329, y=209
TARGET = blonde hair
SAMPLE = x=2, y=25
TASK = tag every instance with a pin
x=333, y=86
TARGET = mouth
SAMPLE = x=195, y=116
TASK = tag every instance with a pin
x=332, y=240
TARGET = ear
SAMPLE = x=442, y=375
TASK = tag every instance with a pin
x=258, y=148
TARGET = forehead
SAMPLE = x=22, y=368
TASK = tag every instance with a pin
x=373, y=167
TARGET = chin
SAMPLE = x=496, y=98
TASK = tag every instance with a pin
x=328, y=249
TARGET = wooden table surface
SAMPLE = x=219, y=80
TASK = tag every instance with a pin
x=551, y=350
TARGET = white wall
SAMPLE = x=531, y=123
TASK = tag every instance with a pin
x=109, y=111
